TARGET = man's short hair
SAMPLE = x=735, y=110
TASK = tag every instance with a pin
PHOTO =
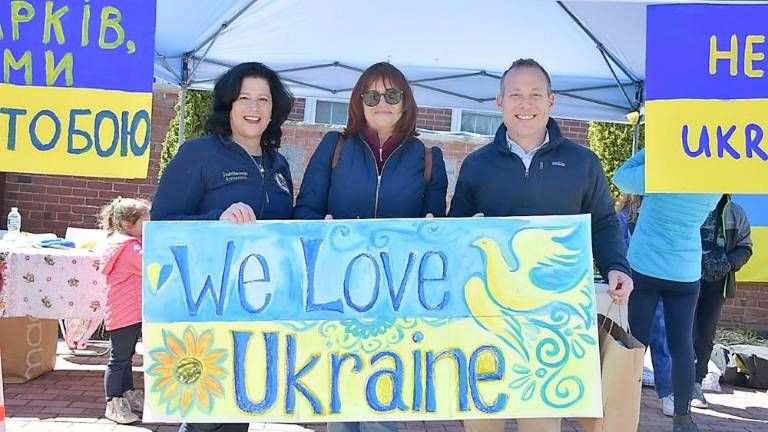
x=526, y=63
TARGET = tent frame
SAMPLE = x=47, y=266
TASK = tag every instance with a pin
x=634, y=102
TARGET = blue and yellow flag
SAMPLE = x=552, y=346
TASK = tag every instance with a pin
x=76, y=88
x=707, y=99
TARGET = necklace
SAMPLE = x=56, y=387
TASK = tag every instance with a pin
x=263, y=179
x=258, y=165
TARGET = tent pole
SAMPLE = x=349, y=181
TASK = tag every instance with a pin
x=182, y=111
x=615, y=77
x=224, y=25
x=2, y=194
x=635, y=137
x=598, y=42
x=185, y=78
x=212, y=38
x=607, y=54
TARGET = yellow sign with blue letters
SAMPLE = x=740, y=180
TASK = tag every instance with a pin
x=413, y=319
x=76, y=87
x=706, y=99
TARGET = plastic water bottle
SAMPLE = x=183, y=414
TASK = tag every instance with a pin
x=14, y=222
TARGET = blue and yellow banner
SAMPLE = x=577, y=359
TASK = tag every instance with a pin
x=756, y=208
x=370, y=320
x=76, y=89
x=706, y=99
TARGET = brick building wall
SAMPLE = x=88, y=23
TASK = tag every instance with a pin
x=576, y=130
x=297, y=112
x=52, y=203
x=436, y=119
x=749, y=309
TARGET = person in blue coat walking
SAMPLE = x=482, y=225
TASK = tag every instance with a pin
x=665, y=256
x=376, y=168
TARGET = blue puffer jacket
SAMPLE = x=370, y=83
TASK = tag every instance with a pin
x=564, y=178
x=354, y=189
x=666, y=243
x=211, y=173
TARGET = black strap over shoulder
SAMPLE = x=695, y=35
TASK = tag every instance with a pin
x=337, y=151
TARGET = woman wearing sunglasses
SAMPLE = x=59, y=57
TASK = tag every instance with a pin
x=376, y=168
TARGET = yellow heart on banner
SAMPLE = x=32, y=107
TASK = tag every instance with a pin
x=153, y=274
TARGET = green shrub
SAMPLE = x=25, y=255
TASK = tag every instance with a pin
x=198, y=107
x=612, y=143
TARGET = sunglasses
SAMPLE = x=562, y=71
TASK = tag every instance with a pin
x=391, y=96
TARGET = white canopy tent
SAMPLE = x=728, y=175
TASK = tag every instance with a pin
x=452, y=51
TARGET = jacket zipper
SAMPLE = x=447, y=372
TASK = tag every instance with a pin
x=379, y=173
x=546, y=148
x=262, y=172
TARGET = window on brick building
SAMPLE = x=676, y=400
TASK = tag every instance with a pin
x=330, y=112
x=478, y=122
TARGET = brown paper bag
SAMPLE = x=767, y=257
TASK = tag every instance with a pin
x=29, y=347
x=621, y=364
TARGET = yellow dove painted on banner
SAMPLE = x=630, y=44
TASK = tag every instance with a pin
x=511, y=293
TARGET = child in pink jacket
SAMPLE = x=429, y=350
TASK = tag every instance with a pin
x=121, y=263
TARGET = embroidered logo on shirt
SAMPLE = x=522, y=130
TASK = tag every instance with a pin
x=558, y=163
x=230, y=176
x=280, y=180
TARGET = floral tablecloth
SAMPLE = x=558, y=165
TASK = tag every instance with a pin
x=54, y=284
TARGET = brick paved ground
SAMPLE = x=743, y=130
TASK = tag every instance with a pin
x=70, y=398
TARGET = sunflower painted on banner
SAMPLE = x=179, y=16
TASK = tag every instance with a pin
x=187, y=372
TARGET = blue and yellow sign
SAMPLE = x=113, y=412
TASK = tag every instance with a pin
x=756, y=209
x=76, y=89
x=707, y=98
x=370, y=320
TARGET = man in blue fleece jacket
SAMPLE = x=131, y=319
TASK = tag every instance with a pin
x=530, y=169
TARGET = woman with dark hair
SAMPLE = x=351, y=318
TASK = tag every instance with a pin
x=235, y=173
x=376, y=168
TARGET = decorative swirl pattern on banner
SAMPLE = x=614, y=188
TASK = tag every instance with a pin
x=367, y=335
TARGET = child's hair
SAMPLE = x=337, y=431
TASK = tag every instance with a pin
x=631, y=203
x=122, y=210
